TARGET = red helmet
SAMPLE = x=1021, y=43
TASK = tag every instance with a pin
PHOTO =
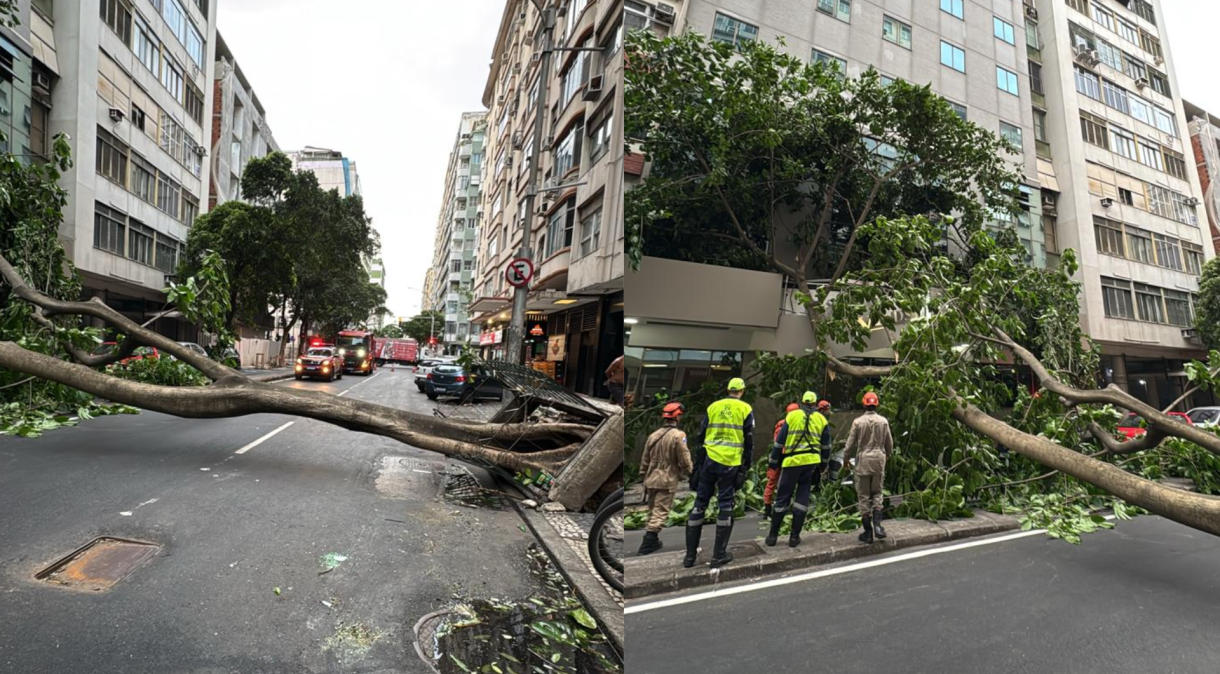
x=870, y=399
x=673, y=411
x=823, y=405
x=792, y=407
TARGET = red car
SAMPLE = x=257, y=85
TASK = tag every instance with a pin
x=1130, y=425
x=140, y=353
x=320, y=362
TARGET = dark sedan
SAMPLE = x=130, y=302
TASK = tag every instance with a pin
x=455, y=382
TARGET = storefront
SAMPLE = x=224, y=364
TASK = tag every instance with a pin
x=491, y=345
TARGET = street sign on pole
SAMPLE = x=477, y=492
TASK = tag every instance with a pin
x=519, y=272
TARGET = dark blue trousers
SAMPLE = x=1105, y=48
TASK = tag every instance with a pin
x=719, y=479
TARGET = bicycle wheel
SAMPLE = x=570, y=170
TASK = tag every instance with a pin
x=606, y=543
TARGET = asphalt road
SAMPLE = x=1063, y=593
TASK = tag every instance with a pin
x=232, y=528
x=1141, y=598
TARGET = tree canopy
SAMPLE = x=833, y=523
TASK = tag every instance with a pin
x=874, y=200
x=424, y=325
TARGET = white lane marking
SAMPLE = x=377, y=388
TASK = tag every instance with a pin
x=263, y=439
x=126, y=513
x=814, y=575
x=148, y=502
x=349, y=390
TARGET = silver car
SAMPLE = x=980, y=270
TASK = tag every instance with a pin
x=1204, y=416
x=425, y=367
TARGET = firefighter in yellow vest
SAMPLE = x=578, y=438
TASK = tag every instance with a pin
x=728, y=443
x=799, y=447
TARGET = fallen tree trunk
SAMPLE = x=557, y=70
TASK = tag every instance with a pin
x=589, y=469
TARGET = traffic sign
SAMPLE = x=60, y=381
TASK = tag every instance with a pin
x=519, y=272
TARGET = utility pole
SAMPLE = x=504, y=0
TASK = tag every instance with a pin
x=516, y=326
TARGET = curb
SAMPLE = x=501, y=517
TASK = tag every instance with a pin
x=663, y=572
x=608, y=614
x=271, y=378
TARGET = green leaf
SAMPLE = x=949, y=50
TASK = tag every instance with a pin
x=582, y=616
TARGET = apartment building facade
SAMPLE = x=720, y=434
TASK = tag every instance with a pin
x=1046, y=74
x=28, y=69
x=239, y=130
x=1205, y=143
x=132, y=92
x=455, y=257
x=575, y=231
x=334, y=171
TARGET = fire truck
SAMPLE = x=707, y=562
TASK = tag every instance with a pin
x=356, y=348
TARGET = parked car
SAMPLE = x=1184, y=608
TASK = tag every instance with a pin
x=425, y=367
x=455, y=381
x=1131, y=427
x=140, y=353
x=1206, y=417
x=191, y=346
x=320, y=362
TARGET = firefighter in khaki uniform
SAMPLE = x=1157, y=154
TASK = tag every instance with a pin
x=870, y=434
x=799, y=446
x=666, y=461
x=728, y=442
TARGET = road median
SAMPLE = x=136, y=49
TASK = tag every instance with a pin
x=663, y=572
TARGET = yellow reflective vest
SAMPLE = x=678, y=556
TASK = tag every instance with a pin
x=726, y=434
x=803, y=443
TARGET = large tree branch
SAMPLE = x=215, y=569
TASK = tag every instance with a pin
x=514, y=446
x=1149, y=440
x=50, y=307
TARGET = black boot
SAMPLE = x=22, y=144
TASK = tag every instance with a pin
x=693, y=533
x=651, y=543
x=867, y=535
x=777, y=521
x=767, y=511
x=720, y=553
x=798, y=524
x=877, y=530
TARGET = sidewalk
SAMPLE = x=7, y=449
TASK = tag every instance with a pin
x=273, y=374
x=663, y=572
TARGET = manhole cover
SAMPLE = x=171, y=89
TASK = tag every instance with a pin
x=99, y=564
x=464, y=489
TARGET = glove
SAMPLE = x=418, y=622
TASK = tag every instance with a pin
x=741, y=477
x=772, y=463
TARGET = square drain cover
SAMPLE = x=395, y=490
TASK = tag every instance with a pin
x=99, y=564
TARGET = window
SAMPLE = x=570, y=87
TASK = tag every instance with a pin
x=1081, y=6
x=1160, y=83
x=194, y=45
x=601, y=134
x=1035, y=77
x=111, y=157
x=1143, y=9
x=1115, y=96
x=140, y=243
x=168, y=195
x=1150, y=44
x=1094, y=130
x=1040, y=126
x=1109, y=237
x=1110, y=55
x=1150, y=155
x=830, y=61
x=1175, y=164
x=1086, y=83
x=167, y=253
x=897, y=32
x=190, y=209
x=171, y=77
x=194, y=103
x=173, y=14
x=1031, y=35
x=1148, y=303
x=732, y=31
x=235, y=164
x=1006, y=80
x=143, y=178
x=590, y=232
x=497, y=205
x=577, y=74
x=1103, y=16
x=559, y=230
x=1194, y=258
x=1123, y=143
x=952, y=56
x=1130, y=33
x=1140, y=109
x=1134, y=67
x=171, y=136
x=840, y=9
x=146, y=47
x=1011, y=134
x=1177, y=308
x=1168, y=252
x=1164, y=121
x=117, y=15
x=455, y=266
x=1116, y=296
x=1139, y=246
x=959, y=109
x=953, y=7
x=1003, y=30
x=567, y=152
x=1125, y=196
x=40, y=119
x=109, y=229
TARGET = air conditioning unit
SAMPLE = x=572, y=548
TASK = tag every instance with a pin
x=593, y=90
x=200, y=150
x=500, y=99
x=536, y=58
x=1141, y=82
x=117, y=114
x=1092, y=57
x=548, y=142
x=1160, y=60
x=1106, y=202
x=508, y=163
x=1049, y=208
x=663, y=14
x=1031, y=12
x=518, y=141
x=1191, y=201
x=42, y=82
x=517, y=68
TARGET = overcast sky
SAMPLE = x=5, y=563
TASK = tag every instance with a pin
x=1193, y=40
x=384, y=82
